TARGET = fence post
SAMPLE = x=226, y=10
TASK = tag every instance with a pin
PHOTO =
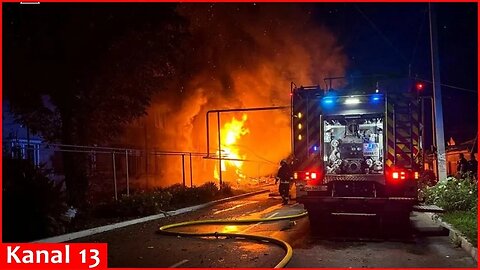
x=126, y=166
x=183, y=169
x=114, y=176
x=191, y=171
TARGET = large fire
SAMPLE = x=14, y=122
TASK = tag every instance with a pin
x=237, y=56
x=230, y=134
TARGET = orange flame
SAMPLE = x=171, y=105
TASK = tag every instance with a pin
x=230, y=133
x=240, y=56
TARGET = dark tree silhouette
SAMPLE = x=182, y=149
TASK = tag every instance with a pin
x=77, y=73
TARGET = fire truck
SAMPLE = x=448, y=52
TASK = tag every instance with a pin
x=356, y=151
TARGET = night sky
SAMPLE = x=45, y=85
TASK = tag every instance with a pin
x=376, y=38
x=388, y=38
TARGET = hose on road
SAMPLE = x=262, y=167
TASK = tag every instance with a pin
x=288, y=249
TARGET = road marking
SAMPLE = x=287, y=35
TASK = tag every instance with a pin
x=256, y=224
x=234, y=207
x=178, y=264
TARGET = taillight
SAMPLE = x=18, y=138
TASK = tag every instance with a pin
x=312, y=177
x=402, y=175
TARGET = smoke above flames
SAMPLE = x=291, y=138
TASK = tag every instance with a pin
x=240, y=56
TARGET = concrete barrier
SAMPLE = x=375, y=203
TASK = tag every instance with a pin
x=457, y=237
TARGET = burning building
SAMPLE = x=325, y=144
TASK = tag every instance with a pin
x=237, y=56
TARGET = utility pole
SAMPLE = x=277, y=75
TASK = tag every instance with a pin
x=219, y=150
x=437, y=97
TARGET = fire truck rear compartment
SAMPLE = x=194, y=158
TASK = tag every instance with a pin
x=368, y=198
x=353, y=144
x=362, y=149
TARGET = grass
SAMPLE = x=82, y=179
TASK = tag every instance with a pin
x=465, y=222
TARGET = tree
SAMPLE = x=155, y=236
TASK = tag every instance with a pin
x=76, y=74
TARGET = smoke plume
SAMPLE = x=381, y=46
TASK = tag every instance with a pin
x=240, y=56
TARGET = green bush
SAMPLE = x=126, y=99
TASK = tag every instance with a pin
x=453, y=194
x=427, y=179
x=180, y=195
x=33, y=205
x=139, y=204
x=161, y=199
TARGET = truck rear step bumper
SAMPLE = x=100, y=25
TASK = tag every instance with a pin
x=353, y=214
x=428, y=208
x=360, y=199
x=358, y=205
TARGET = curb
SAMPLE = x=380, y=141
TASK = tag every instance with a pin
x=106, y=228
x=457, y=237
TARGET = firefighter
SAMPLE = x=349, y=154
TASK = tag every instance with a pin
x=473, y=165
x=284, y=175
x=462, y=165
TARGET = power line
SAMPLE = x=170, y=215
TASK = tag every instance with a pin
x=418, y=36
x=459, y=88
x=385, y=38
x=450, y=86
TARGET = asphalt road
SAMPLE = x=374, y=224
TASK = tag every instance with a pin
x=346, y=242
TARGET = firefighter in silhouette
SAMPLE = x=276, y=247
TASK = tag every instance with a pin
x=462, y=165
x=284, y=175
x=473, y=165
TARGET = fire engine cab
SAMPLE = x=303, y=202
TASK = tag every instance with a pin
x=356, y=152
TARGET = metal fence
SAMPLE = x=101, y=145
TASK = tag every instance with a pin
x=114, y=172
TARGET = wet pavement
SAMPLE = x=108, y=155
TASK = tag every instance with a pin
x=345, y=242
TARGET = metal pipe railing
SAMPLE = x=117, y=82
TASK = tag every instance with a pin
x=236, y=110
x=218, y=130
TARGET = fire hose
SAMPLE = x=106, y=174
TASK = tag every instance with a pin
x=288, y=249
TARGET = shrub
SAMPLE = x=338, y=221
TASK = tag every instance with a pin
x=208, y=191
x=180, y=194
x=139, y=204
x=161, y=199
x=453, y=194
x=427, y=179
x=33, y=205
x=187, y=196
x=226, y=189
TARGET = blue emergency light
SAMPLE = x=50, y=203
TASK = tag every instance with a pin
x=329, y=100
x=376, y=98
